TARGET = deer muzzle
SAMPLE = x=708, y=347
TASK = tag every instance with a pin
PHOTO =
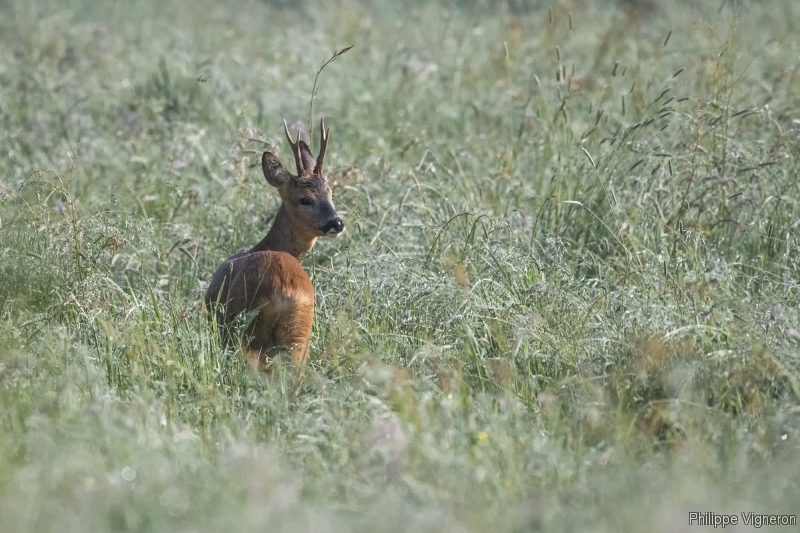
x=333, y=228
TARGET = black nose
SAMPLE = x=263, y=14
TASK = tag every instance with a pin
x=334, y=226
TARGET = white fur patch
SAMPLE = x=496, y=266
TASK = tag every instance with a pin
x=283, y=301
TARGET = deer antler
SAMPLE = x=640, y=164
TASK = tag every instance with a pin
x=298, y=159
x=323, y=145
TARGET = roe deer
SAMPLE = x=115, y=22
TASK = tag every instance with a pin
x=268, y=278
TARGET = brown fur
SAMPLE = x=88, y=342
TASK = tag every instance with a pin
x=268, y=278
x=274, y=283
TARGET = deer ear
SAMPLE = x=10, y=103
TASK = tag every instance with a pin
x=308, y=157
x=274, y=171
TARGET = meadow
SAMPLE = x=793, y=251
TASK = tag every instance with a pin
x=566, y=299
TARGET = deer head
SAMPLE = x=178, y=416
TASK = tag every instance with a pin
x=306, y=196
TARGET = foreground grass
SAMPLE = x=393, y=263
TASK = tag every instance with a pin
x=567, y=298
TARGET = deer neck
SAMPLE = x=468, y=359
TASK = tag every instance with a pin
x=283, y=238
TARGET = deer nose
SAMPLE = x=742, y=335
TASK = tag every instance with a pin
x=334, y=227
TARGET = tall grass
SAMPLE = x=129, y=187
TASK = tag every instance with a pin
x=567, y=298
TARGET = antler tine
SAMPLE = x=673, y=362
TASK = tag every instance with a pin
x=324, y=135
x=298, y=159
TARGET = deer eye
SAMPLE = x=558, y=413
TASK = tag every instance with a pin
x=305, y=201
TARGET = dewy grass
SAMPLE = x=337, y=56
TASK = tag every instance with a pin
x=552, y=310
